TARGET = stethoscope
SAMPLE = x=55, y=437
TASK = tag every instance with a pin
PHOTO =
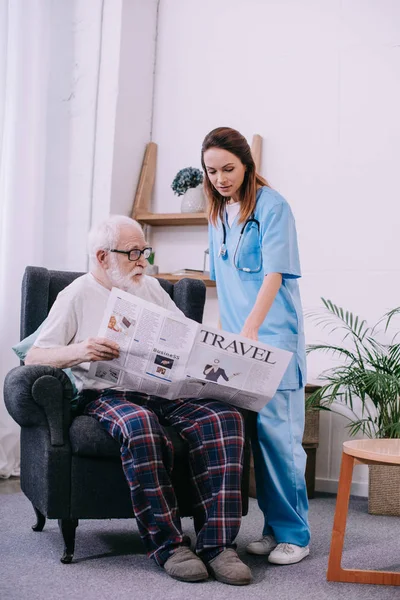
x=223, y=251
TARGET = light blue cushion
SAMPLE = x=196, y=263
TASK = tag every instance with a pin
x=22, y=348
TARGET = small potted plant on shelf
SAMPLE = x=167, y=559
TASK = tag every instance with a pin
x=188, y=183
x=365, y=388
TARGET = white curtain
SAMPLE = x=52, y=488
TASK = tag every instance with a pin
x=24, y=58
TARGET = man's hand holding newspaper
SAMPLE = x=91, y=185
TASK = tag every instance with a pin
x=164, y=354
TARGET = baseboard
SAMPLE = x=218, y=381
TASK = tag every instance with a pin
x=331, y=486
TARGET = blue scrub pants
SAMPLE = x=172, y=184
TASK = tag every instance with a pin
x=279, y=463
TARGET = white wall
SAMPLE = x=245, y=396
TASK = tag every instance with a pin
x=99, y=119
x=319, y=80
x=75, y=31
x=135, y=99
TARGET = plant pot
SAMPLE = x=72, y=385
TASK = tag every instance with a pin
x=193, y=200
x=311, y=427
x=151, y=270
x=384, y=490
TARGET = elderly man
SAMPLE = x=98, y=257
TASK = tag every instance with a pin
x=213, y=430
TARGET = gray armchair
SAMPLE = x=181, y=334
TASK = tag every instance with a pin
x=70, y=467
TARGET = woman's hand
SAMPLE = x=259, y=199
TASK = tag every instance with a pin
x=265, y=298
x=250, y=329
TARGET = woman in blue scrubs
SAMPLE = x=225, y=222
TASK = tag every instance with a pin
x=255, y=262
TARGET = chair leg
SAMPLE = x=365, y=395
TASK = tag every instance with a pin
x=40, y=520
x=68, y=529
x=339, y=524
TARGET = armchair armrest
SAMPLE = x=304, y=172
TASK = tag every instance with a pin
x=37, y=395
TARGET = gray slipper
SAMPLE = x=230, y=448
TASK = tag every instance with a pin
x=184, y=565
x=228, y=568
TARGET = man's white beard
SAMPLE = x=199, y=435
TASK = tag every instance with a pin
x=121, y=281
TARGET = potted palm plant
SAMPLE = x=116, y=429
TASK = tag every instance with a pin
x=364, y=386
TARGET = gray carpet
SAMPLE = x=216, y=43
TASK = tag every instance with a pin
x=110, y=563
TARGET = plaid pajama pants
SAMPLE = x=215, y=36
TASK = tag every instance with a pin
x=214, y=432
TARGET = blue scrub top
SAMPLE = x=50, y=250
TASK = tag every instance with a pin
x=271, y=248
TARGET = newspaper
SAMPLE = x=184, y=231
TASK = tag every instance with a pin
x=162, y=353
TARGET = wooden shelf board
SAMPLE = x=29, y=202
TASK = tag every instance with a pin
x=172, y=218
x=173, y=278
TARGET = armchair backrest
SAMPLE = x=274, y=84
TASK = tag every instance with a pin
x=41, y=286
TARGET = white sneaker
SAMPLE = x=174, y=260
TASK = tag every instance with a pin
x=288, y=554
x=263, y=546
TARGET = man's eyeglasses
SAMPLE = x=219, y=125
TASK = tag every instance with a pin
x=134, y=255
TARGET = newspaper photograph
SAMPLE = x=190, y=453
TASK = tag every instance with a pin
x=234, y=369
x=162, y=353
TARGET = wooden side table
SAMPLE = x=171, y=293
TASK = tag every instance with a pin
x=366, y=452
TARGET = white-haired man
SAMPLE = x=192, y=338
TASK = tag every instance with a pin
x=213, y=430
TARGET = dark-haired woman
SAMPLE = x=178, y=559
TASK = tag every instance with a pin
x=254, y=260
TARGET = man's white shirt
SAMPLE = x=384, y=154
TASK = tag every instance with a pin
x=78, y=311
